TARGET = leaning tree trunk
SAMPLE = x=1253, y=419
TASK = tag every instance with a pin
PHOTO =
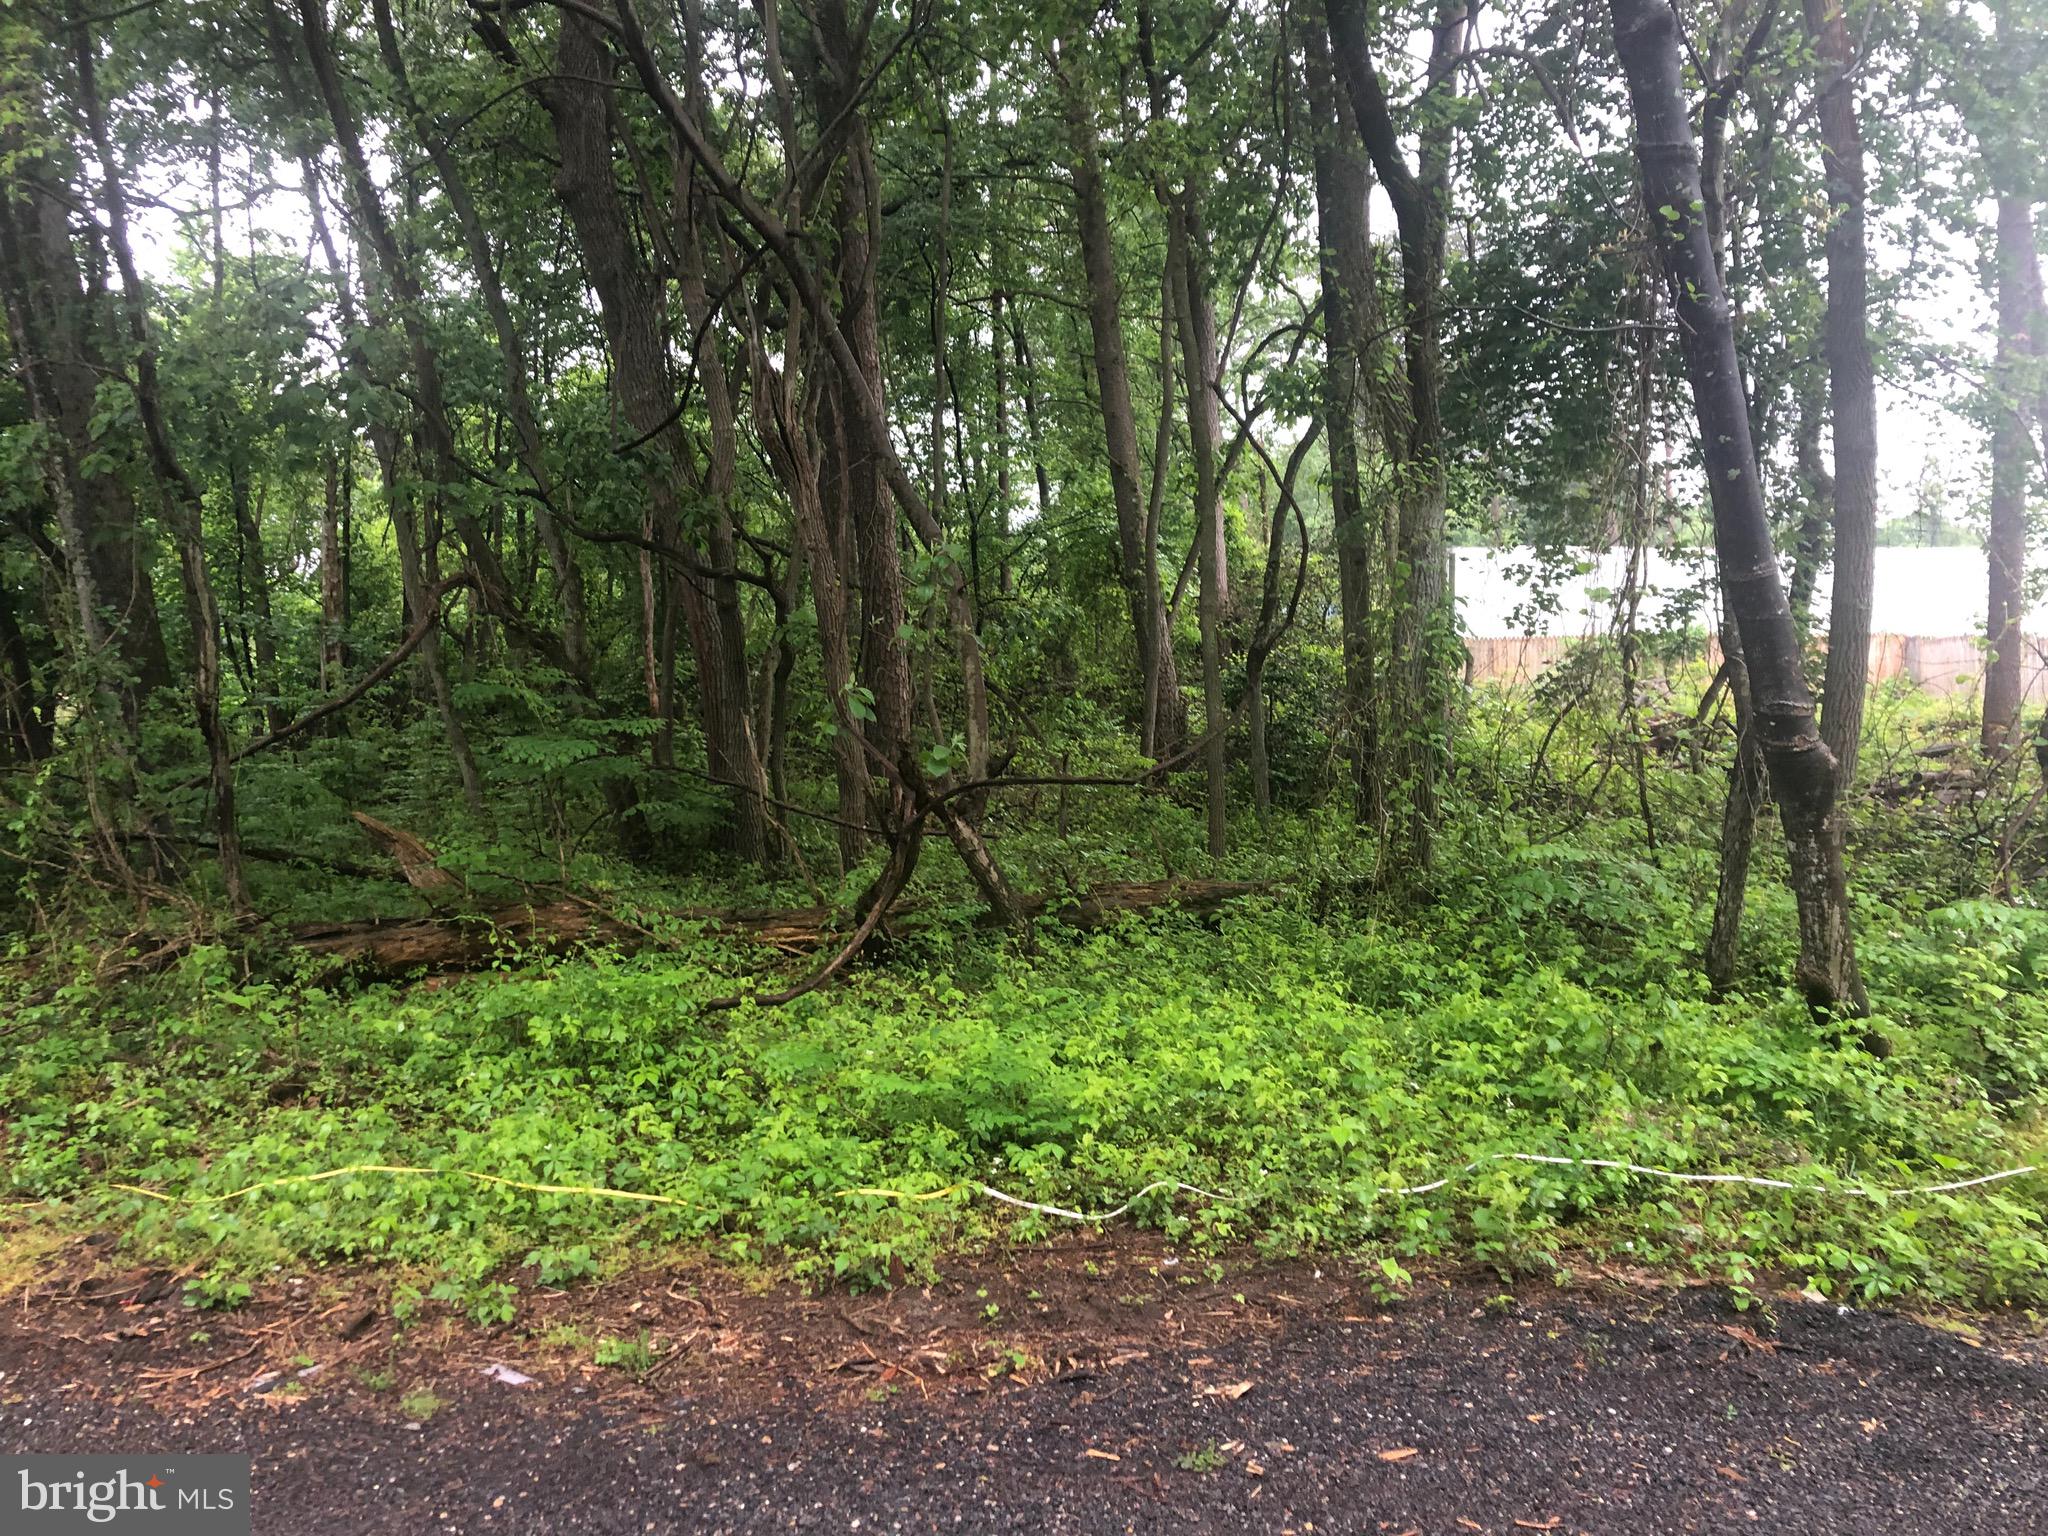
x=1800, y=766
x=1852, y=390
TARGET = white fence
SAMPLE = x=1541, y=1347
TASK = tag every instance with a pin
x=1927, y=611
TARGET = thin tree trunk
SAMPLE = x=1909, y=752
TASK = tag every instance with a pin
x=408, y=298
x=1817, y=486
x=959, y=607
x=1800, y=767
x=999, y=355
x=630, y=300
x=651, y=670
x=853, y=343
x=1197, y=316
x=788, y=441
x=774, y=696
x=33, y=356
x=2019, y=307
x=1155, y=509
x=333, y=648
x=1027, y=381
x=1255, y=662
x=416, y=582
x=254, y=577
x=696, y=243
x=1852, y=391
x=252, y=569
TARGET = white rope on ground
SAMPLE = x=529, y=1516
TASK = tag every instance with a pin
x=1863, y=1191
x=1055, y=1210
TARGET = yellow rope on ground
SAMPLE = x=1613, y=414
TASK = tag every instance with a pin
x=903, y=1194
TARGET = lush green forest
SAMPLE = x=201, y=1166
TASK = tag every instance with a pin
x=723, y=627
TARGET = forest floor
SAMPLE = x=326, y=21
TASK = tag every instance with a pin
x=1090, y=1385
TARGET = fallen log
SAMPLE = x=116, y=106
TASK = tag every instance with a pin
x=389, y=948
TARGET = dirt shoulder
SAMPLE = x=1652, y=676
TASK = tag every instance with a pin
x=1085, y=1386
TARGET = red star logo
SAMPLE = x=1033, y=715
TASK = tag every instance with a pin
x=155, y=1481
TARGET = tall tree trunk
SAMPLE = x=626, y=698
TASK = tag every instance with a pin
x=1256, y=655
x=772, y=698
x=1155, y=509
x=112, y=713
x=959, y=607
x=788, y=441
x=696, y=245
x=408, y=297
x=253, y=579
x=252, y=569
x=182, y=502
x=1027, y=387
x=1119, y=423
x=1345, y=266
x=33, y=355
x=1188, y=242
x=869, y=513
x=2019, y=313
x=1852, y=391
x=416, y=582
x=1801, y=769
x=1419, y=706
x=384, y=434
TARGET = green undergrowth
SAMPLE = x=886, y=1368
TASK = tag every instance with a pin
x=1296, y=1056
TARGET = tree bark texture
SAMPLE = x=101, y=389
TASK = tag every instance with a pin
x=1801, y=769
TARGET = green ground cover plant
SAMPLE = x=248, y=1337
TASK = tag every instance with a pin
x=1296, y=1055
